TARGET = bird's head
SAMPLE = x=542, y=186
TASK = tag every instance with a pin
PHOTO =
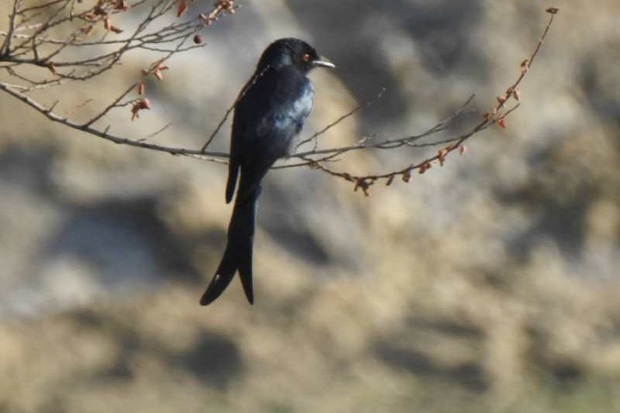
x=292, y=52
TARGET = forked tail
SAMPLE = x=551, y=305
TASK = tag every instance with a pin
x=238, y=253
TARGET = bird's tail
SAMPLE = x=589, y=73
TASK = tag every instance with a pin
x=238, y=253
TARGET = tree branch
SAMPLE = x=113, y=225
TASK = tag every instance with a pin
x=30, y=41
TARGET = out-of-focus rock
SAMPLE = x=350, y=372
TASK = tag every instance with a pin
x=490, y=284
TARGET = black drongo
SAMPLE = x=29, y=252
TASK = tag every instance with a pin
x=270, y=111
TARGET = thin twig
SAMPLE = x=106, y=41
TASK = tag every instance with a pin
x=341, y=118
x=170, y=40
x=6, y=45
x=51, y=115
x=244, y=90
x=110, y=106
x=157, y=132
x=496, y=116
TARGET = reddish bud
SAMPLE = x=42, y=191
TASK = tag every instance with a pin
x=138, y=106
x=501, y=122
x=121, y=5
x=182, y=8
x=198, y=39
x=227, y=5
x=525, y=66
x=157, y=70
x=52, y=67
x=424, y=167
x=86, y=29
x=441, y=156
x=363, y=184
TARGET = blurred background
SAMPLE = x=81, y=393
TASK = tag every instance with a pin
x=489, y=285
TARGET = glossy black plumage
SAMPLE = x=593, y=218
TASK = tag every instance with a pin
x=270, y=111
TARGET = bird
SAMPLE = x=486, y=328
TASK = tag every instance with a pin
x=269, y=112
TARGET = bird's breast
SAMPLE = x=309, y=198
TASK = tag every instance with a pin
x=295, y=115
x=272, y=113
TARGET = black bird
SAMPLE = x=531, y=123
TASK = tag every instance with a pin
x=269, y=112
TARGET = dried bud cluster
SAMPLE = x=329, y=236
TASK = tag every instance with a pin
x=157, y=68
x=139, y=105
x=101, y=12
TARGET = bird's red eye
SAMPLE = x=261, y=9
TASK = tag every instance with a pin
x=305, y=57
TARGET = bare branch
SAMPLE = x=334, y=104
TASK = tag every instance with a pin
x=367, y=142
x=51, y=115
x=340, y=119
x=496, y=116
x=37, y=36
x=110, y=106
x=6, y=45
x=244, y=90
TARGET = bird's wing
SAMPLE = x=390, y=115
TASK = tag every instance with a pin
x=233, y=166
x=237, y=137
x=266, y=119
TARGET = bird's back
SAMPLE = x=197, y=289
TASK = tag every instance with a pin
x=271, y=113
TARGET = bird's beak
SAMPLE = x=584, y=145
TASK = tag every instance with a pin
x=323, y=61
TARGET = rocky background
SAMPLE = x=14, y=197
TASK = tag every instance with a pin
x=489, y=285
